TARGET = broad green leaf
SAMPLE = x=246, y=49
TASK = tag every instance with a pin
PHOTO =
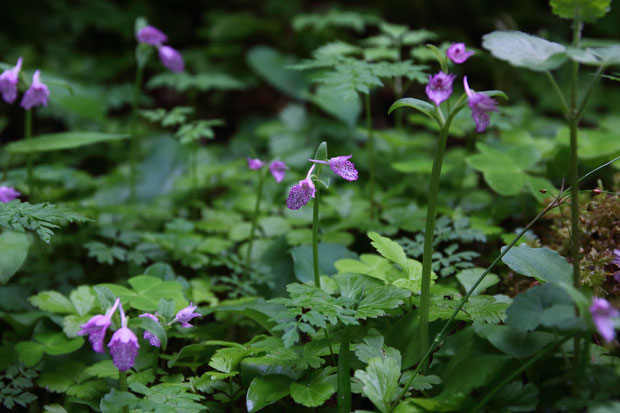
x=13, y=252
x=596, y=56
x=329, y=253
x=266, y=390
x=82, y=299
x=515, y=343
x=103, y=369
x=369, y=264
x=380, y=382
x=547, y=305
x=62, y=140
x=271, y=65
x=468, y=277
x=584, y=10
x=333, y=103
x=416, y=104
x=544, y=264
x=147, y=291
x=53, y=302
x=57, y=343
x=29, y=352
x=314, y=392
x=524, y=50
x=499, y=171
x=151, y=326
x=393, y=252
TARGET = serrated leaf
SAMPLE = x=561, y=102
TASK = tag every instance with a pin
x=380, y=382
x=82, y=299
x=103, y=369
x=53, y=302
x=315, y=392
x=584, y=10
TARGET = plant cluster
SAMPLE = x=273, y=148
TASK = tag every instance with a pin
x=422, y=246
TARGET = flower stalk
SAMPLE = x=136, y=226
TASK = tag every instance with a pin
x=122, y=384
x=315, y=240
x=259, y=195
x=429, y=232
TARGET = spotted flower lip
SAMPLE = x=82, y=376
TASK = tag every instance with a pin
x=301, y=193
x=8, y=82
x=8, y=193
x=480, y=105
x=278, y=170
x=185, y=315
x=151, y=35
x=148, y=336
x=123, y=345
x=255, y=163
x=457, y=53
x=439, y=87
x=171, y=59
x=341, y=166
x=37, y=94
x=603, y=314
x=97, y=326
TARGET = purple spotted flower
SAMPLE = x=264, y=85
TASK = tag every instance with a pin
x=603, y=313
x=457, y=53
x=301, y=193
x=185, y=315
x=342, y=166
x=616, y=259
x=37, y=93
x=255, y=163
x=171, y=59
x=439, y=87
x=8, y=82
x=7, y=194
x=278, y=169
x=148, y=336
x=151, y=35
x=97, y=326
x=480, y=105
x=124, y=345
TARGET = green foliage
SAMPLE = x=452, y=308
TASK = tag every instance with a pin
x=16, y=381
x=334, y=19
x=62, y=141
x=524, y=50
x=583, y=10
x=42, y=218
x=14, y=247
x=147, y=291
x=202, y=82
x=544, y=264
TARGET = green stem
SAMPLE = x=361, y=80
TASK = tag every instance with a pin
x=439, y=338
x=515, y=373
x=344, y=373
x=573, y=122
x=133, y=145
x=557, y=91
x=429, y=233
x=259, y=195
x=315, y=240
x=122, y=384
x=371, y=156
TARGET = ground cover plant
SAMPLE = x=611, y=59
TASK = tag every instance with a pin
x=310, y=206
